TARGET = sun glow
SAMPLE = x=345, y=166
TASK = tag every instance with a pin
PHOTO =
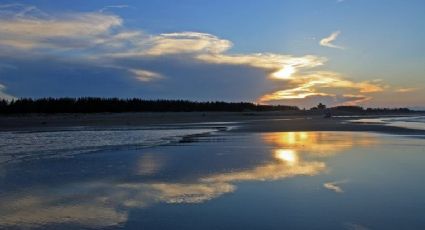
x=287, y=155
x=285, y=73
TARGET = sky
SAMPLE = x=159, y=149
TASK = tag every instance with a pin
x=294, y=52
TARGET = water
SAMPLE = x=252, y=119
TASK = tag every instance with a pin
x=289, y=180
x=27, y=145
x=412, y=122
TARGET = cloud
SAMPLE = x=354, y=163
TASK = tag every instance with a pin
x=27, y=30
x=352, y=100
x=324, y=84
x=186, y=42
x=3, y=95
x=274, y=63
x=144, y=75
x=327, y=41
x=406, y=90
x=113, y=7
x=334, y=186
x=161, y=65
x=17, y=10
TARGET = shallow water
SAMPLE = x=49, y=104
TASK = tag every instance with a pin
x=16, y=146
x=411, y=122
x=290, y=180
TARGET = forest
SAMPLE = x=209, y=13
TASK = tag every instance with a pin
x=116, y=105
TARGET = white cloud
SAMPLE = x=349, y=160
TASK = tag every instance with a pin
x=334, y=186
x=30, y=31
x=101, y=39
x=187, y=42
x=268, y=61
x=3, y=95
x=144, y=75
x=17, y=10
x=327, y=41
x=113, y=7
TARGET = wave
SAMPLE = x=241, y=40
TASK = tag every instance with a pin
x=17, y=146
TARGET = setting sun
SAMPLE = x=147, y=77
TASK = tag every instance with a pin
x=285, y=73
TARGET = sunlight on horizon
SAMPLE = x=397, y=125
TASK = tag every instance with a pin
x=285, y=73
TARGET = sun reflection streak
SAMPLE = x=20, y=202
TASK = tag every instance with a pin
x=319, y=144
x=287, y=155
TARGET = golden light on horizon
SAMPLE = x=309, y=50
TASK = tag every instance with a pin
x=285, y=73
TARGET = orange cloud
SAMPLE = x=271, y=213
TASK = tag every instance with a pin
x=324, y=83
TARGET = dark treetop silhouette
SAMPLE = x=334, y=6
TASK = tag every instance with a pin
x=116, y=105
x=97, y=105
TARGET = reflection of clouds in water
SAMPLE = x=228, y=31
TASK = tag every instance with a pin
x=354, y=226
x=272, y=171
x=149, y=164
x=175, y=192
x=100, y=204
x=36, y=211
x=106, y=204
x=103, y=204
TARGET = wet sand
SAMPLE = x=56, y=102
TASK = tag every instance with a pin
x=245, y=122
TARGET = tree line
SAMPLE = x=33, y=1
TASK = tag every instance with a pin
x=117, y=105
x=359, y=109
x=353, y=109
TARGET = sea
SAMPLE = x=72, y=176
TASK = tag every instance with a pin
x=208, y=177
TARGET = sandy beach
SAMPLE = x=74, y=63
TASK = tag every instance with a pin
x=245, y=122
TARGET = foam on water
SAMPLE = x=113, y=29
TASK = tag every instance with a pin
x=29, y=145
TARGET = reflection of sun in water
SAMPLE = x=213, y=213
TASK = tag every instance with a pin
x=303, y=135
x=287, y=155
x=285, y=73
x=290, y=138
x=322, y=144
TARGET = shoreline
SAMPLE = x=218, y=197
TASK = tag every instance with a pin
x=245, y=122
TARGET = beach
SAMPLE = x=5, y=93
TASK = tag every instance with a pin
x=212, y=115
x=210, y=171
x=252, y=121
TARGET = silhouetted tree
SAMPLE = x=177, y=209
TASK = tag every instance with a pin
x=115, y=105
x=321, y=106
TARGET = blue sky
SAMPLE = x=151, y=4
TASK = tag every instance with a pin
x=297, y=52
